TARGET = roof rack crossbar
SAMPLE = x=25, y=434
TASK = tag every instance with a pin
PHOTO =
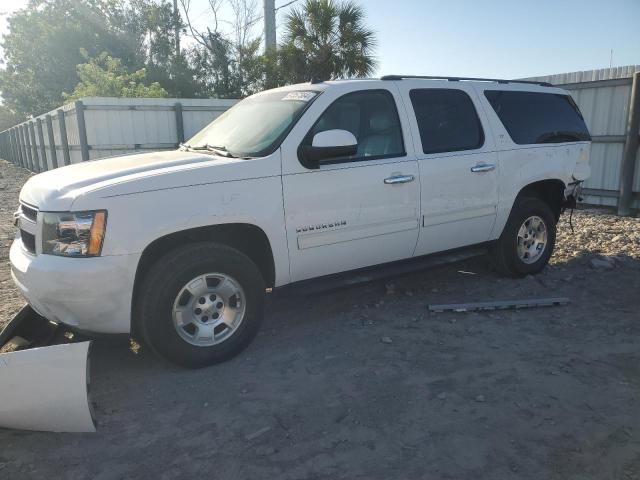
x=457, y=79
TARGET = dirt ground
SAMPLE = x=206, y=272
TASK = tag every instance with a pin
x=366, y=383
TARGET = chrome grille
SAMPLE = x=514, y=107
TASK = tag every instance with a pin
x=28, y=241
x=27, y=222
x=29, y=212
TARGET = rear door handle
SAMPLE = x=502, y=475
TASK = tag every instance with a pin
x=399, y=179
x=483, y=167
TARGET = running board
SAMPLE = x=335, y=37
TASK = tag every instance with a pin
x=365, y=275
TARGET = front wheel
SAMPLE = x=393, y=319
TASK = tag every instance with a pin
x=528, y=238
x=200, y=304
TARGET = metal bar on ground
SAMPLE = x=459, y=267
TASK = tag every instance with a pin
x=82, y=130
x=66, y=157
x=52, y=142
x=630, y=149
x=500, y=305
x=43, y=149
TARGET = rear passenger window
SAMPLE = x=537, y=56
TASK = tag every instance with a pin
x=447, y=120
x=534, y=117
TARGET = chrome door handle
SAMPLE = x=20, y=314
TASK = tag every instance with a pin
x=483, y=167
x=399, y=179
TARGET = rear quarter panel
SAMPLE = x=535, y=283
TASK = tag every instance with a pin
x=521, y=165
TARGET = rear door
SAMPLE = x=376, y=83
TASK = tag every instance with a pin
x=357, y=211
x=457, y=163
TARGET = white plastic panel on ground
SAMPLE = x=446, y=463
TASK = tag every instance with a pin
x=46, y=389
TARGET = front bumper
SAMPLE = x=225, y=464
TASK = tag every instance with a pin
x=90, y=294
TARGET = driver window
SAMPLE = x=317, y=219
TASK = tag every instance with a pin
x=372, y=117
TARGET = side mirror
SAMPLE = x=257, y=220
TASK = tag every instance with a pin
x=327, y=145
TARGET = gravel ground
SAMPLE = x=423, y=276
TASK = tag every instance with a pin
x=11, y=180
x=366, y=383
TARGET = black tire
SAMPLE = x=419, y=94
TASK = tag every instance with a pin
x=504, y=252
x=163, y=282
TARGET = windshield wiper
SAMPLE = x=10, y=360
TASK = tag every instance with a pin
x=218, y=150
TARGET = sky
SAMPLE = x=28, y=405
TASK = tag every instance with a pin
x=486, y=38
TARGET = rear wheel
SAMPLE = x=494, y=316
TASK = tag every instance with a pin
x=528, y=238
x=200, y=304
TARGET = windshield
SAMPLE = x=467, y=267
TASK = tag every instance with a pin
x=254, y=127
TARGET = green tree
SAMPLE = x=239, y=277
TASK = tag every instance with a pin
x=43, y=43
x=227, y=61
x=326, y=39
x=42, y=49
x=105, y=76
x=8, y=118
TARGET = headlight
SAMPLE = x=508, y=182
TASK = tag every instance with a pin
x=73, y=234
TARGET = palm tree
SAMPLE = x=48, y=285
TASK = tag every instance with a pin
x=326, y=39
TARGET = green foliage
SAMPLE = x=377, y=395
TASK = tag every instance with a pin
x=42, y=50
x=326, y=39
x=43, y=47
x=227, y=70
x=8, y=118
x=127, y=47
x=105, y=76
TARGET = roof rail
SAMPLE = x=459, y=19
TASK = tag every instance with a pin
x=457, y=79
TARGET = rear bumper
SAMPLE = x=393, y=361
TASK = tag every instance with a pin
x=91, y=294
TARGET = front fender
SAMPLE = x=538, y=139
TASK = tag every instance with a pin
x=134, y=221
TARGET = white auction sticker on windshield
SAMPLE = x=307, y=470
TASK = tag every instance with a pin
x=299, y=96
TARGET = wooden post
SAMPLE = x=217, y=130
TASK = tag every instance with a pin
x=179, y=122
x=52, y=142
x=82, y=130
x=34, y=147
x=43, y=149
x=3, y=146
x=630, y=149
x=63, y=137
x=27, y=145
x=14, y=146
x=16, y=135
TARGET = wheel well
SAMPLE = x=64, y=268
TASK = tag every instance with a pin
x=549, y=191
x=249, y=239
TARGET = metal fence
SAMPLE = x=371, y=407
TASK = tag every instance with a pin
x=609, y=99
x=98, y=127
x=102, y=127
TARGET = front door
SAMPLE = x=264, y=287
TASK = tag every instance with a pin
x=357, y=211
x=457, y=162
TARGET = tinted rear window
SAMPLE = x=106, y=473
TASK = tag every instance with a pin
x=447, y=120
x=532, y=117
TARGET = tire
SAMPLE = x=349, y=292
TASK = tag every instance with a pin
x=506, y=255
x=169, y=319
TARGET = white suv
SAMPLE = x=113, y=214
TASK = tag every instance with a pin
x=292, y=184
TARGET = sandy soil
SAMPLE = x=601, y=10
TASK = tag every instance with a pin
x=366, y=383
x=11, y=180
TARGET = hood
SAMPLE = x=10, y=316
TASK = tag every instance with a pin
x=57, y=190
